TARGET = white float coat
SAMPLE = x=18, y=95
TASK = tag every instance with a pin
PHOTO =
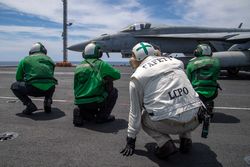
x=160, y=87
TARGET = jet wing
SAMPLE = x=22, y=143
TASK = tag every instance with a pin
x=231, y=37
x=241, y=37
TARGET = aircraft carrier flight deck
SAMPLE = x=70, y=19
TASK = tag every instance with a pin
x=43, y=139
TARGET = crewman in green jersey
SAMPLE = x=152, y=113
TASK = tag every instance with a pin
x=203, y=72
x=35, y=77
x=94, y=93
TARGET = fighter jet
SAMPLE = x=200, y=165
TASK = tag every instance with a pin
x=230, y=45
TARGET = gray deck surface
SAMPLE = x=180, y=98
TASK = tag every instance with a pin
x=52, y=140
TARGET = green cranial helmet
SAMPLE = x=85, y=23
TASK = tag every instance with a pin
x=37, y=48
x=143, y=50
x=203, y=50
x=92, y=50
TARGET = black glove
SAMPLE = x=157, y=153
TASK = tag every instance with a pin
x=130, y=147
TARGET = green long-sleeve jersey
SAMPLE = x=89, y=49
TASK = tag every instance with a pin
x=88, y=80
x=38, y=70
x=203, y=73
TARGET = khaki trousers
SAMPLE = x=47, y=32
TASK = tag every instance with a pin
x=160, y=130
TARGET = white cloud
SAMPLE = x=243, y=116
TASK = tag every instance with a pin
x=223, y=13
x=111, y=17
x=16, y=49
x=90, y=12
x=48, y=9
x=40, y=31
x=101, y=17
x=83, y=11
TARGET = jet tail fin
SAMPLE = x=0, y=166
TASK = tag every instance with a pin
x=240, y=25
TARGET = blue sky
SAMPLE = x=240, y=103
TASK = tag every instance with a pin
x=24, y=22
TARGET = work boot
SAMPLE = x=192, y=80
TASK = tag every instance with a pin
x=185, y=145
x=210, y=107
x=166, y=150
x=110, y=118
x=31, y=107
x=77, y=117
x=88, y=115
x=47, y=105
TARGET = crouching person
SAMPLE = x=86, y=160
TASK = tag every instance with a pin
x=35, y=77
x=162, y=100
x=203, y=72
x=94, y=93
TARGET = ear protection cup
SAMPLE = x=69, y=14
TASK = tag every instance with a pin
x=43, y=49
x=197, y=53
x=99, y=53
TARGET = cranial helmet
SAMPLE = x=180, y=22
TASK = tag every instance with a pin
x=92, y=50
x=37, y=48
x=142, y=50
x=203, y=50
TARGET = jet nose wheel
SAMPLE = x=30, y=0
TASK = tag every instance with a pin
x=233, y=71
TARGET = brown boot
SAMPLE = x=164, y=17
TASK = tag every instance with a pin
x=185, y=145
x=166, y=150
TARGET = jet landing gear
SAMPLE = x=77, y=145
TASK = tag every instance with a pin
x=233, y=71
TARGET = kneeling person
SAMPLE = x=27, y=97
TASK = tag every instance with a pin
x=35, y=77
x=94, y=93
x=203, y=72
x=162, y=100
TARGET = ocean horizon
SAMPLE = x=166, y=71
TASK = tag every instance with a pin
x=114, y=63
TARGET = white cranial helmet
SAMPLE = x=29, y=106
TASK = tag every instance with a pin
x=92, y=50
x=37, y=48
x=203, y=50
x=142, y=50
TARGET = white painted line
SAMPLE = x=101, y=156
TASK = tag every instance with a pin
x=64, y=73
x=231, y=108
x=14, y=98
x=124, y=104
x=7, y=72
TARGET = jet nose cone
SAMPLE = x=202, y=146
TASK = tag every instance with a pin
x=78, y=47
x=81, y=46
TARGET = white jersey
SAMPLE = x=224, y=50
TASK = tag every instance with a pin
x=160, y=87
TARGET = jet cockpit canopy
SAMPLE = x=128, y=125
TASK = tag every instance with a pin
x=136, y=27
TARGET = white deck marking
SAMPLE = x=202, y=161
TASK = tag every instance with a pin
x=124, y=104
